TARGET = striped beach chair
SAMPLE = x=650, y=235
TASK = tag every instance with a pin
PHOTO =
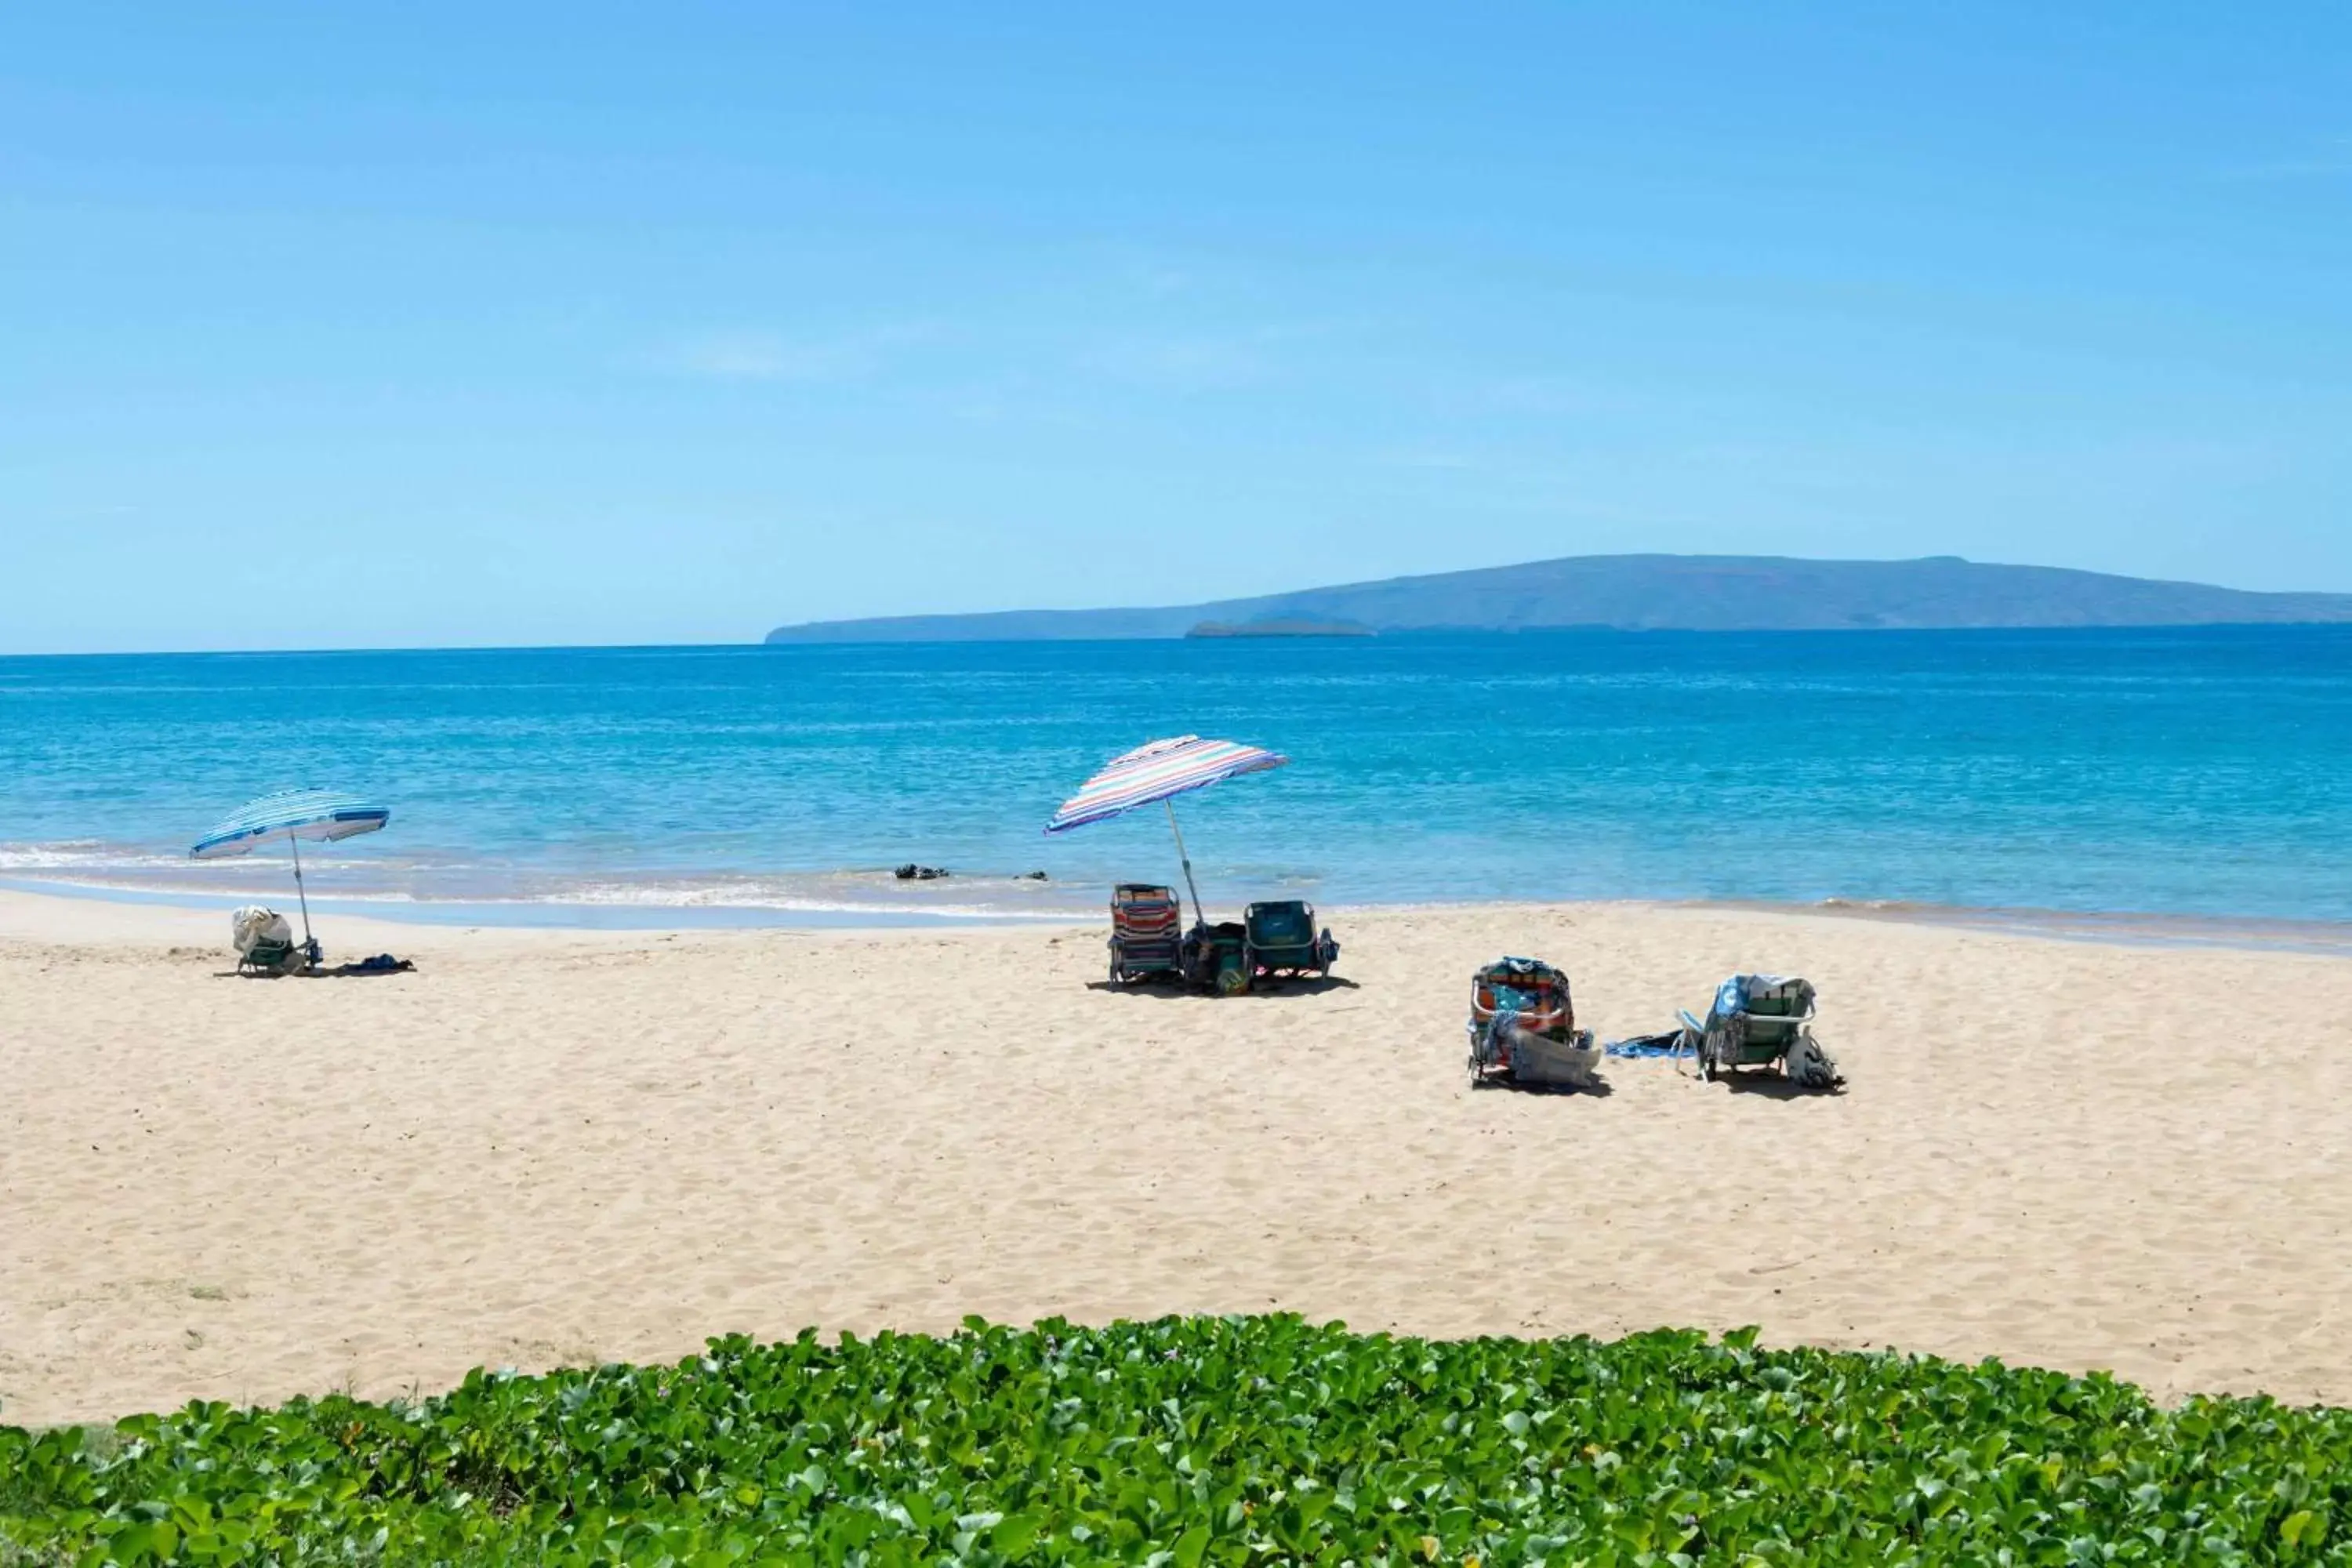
x=1523, y=1029
x=1145, y=932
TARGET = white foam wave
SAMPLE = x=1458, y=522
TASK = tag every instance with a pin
x=82, y=854
x=768, y=896
x=389, y=881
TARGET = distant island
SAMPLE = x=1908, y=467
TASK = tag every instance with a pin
x=1281, y=626
x=1647, y=593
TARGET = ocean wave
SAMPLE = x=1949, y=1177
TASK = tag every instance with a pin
x=104, y=869
x=2125, y=926
x=759, y=895
x=72, y=854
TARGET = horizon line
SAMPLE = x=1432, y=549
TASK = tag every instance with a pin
x=760, y=645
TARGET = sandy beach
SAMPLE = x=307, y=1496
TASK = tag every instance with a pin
x=548, y=1147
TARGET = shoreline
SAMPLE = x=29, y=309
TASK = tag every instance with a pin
x=518, y=914
x=2119, y=927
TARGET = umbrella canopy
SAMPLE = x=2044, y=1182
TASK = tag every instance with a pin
x=1159, y=771
x=292, y=814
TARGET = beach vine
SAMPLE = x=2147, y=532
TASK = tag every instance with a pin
x=1188, y=1442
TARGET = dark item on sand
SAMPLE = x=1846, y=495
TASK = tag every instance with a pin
x=1145, y=919
x=1282, y=939
x=1523, y=1029
x=381, y=964
x=910, y=872
x=1216, y=957
x=1762, y=1020
x=1649, y=1047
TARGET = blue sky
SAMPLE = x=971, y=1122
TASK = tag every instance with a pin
x=442, y=324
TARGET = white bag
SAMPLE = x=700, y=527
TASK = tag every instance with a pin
x=254, y=925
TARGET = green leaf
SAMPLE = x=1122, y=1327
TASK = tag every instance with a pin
x=1014, y=1534
x=1294, y=1440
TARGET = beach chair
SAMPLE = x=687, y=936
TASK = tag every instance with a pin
x=1523, y=1029
x=1145, y=923
x=265, y=943
x=1281, y=938
x=1762, y=1020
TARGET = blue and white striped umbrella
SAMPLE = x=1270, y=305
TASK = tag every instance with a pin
x=292, y=814
x=1158, y=772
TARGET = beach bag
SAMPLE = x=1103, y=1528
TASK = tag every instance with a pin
x=1540, y=1060
x=254, y=925
x=1810, y=1066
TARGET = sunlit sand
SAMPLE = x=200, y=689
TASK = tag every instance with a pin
x=553, y=1147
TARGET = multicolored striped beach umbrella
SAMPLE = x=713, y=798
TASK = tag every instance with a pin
x=292, y=814
x=1161, y=770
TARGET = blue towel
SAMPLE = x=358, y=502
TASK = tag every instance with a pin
x=1647, y=1045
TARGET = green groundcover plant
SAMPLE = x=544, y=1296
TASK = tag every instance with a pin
x=1190, y=1442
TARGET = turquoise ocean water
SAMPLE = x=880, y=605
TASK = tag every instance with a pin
x=2183, y=774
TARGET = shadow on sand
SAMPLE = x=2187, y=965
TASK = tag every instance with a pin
x=333, y=972
x=1168, y=990
x=1772, y=1086
x=1593, y=1088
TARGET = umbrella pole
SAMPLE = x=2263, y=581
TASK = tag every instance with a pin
x=1198, y=918
x=296, y=844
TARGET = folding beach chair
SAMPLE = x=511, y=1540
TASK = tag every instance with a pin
x=1145, y=925
x=1762, y=1020
x=1523, y=1028
x=266, y=945
x=1281, y=938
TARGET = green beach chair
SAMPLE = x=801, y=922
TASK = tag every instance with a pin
x=1762, y=1020
x=265, y=943
x=1281, y=938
